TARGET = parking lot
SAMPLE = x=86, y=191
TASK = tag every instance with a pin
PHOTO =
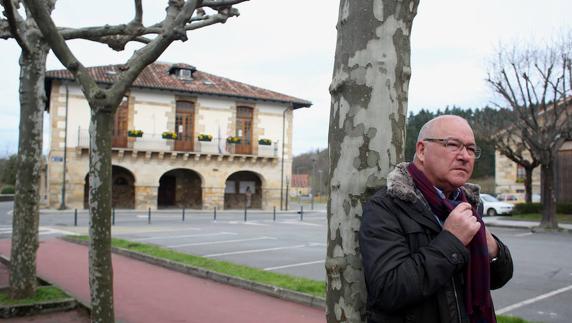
x=541, y=289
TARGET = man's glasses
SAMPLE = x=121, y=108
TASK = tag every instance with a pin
x=455, y=146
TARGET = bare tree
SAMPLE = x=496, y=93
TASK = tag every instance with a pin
x=32, y=103
x=181, y=17
x=366, y=135
x=497, y=127
x=535, y=82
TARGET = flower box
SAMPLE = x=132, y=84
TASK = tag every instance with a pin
x=135, y=133
x=265, y=142
x=204, y=137
x=233, y=140
x=169, y=135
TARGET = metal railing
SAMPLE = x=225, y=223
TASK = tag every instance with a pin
x=156, y=142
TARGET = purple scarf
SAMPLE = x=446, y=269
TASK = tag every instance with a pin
x=478, y=299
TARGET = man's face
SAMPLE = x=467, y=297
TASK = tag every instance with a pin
x=445, y=168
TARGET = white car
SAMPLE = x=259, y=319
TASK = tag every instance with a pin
x=492, y=206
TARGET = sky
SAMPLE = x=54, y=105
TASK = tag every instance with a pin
x=289, y=46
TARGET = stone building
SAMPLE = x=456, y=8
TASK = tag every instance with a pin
x=162, y=156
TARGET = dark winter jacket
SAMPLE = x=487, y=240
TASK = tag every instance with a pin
x=414, y=270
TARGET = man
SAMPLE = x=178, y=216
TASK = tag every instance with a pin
x=427, y=255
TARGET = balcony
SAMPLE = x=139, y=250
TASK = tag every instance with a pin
x=155, y=146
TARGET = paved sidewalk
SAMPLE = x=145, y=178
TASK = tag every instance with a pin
x=506, y=222
x=147, y=293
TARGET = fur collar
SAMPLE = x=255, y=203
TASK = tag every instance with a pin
x=400, y=185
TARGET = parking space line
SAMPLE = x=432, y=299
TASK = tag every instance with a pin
x=186, y=236
x=297, y=222
x=523, y=234
x=252, y=251
x=219, y=242
x=533, y=300
x=295, y=265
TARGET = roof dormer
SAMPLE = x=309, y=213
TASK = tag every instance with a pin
x=182, y=71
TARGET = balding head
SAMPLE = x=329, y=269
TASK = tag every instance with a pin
x=445, y=168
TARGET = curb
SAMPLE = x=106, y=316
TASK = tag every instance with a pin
x=532, y=228
x=12, y=311
x=274, y=291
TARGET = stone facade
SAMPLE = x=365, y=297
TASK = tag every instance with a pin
x=148, y=158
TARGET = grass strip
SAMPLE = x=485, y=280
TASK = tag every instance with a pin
x=43, y=294
x=299, y=284
x=536, y=217
x=511, y=319
x=303, y=285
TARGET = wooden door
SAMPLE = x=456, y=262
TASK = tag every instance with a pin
x=119, y=139
x=184, y=126
x=244, y=130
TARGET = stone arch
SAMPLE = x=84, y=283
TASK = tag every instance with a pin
x=122, y=188
x=180, y=188
x=241, y=184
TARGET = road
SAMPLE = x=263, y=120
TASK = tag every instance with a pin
x=541, y=289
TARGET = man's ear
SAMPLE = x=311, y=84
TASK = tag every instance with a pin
x=420, y=151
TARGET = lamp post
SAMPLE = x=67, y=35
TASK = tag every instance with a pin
x=320, y=182
x=313, y=180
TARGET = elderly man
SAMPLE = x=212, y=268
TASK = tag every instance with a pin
x=427, y=255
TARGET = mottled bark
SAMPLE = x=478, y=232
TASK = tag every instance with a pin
x=528, y=184
x=367, y=134
x=100, y=266
x=27, y=196
x=548, y=197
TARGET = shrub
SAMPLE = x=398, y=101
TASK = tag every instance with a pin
x=524, y=208
x=564, y=208
x=135, y=133
x=8, y=189
x=169, y=135
x=265, y=142
x=204, y=137
x=233, y=140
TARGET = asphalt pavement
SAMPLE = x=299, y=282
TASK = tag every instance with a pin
x=541, y=289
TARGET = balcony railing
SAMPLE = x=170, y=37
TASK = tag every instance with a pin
x=152, y=142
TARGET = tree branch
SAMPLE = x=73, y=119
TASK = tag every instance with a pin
x=138, y=13
x=215, y=4
x=59, y=46
x=15, y=23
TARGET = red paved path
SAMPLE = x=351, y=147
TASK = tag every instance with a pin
x=147, y=293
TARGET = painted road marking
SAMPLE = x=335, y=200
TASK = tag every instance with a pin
x=533, y=300
x=296, y=265
x=252, y=251
x=302, y=223
x=186, y=236
x=219, y=242
x=523, y=234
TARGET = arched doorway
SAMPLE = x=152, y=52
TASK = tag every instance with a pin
x=180, y=188
x=122, y=189
x=240, y=187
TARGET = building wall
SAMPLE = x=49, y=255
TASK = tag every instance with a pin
x=506, y=179
x=153, y=113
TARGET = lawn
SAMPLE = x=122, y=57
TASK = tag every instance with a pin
x=43, y=294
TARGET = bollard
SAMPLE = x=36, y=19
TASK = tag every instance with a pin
x=75, y=217
x=274, y=214
x=113, y=216
x=245, y=212
x=183, y=214
x=215, y=214
x=301, y=212
x=149, y=217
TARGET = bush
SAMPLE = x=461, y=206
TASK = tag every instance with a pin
x=524, y=208
x=8, y=189
x=564, y=208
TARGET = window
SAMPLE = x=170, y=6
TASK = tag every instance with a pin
x=520, y=174
x=185, y=74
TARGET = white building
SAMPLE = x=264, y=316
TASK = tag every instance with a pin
x=153, y=171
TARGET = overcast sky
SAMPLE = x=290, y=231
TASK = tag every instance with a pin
x=288, y=46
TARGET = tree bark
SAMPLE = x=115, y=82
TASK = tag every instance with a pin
x=100, y=266
x=528, y=184
x=26, y=200
x=549, y=220
x=367, y=134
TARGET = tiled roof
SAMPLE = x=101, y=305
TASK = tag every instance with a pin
x=157, y=76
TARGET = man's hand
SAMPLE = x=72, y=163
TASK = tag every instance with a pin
x=492, y=244
x=462, y=224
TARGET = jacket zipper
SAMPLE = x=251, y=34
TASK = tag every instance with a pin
x=456, y=299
